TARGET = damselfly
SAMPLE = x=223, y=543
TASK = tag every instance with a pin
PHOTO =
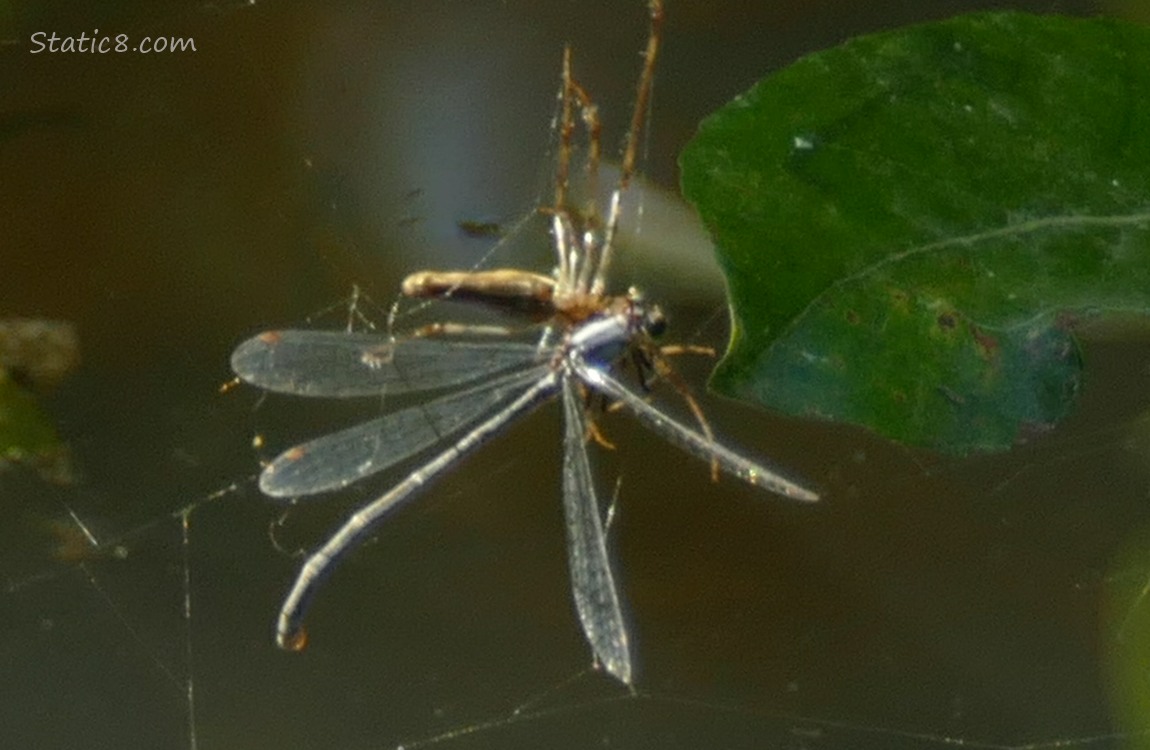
x=483, y=384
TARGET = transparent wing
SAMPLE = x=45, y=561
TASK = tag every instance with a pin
x=341, y=364
x=290, y=633
x=592, y=584
x=340, y=458
x=749, y=471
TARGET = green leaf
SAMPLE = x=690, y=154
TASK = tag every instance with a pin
x=911, y=223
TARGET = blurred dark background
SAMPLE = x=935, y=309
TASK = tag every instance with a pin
x=171, y=204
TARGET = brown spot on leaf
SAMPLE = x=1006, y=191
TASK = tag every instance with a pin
x=987, y=344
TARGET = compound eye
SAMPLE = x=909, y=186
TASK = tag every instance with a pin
x=656, y=323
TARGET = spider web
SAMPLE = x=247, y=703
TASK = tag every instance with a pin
x=962, y=605
x=998, y=602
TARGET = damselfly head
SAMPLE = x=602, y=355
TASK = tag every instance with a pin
x=654, y=321
x=644, y=317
